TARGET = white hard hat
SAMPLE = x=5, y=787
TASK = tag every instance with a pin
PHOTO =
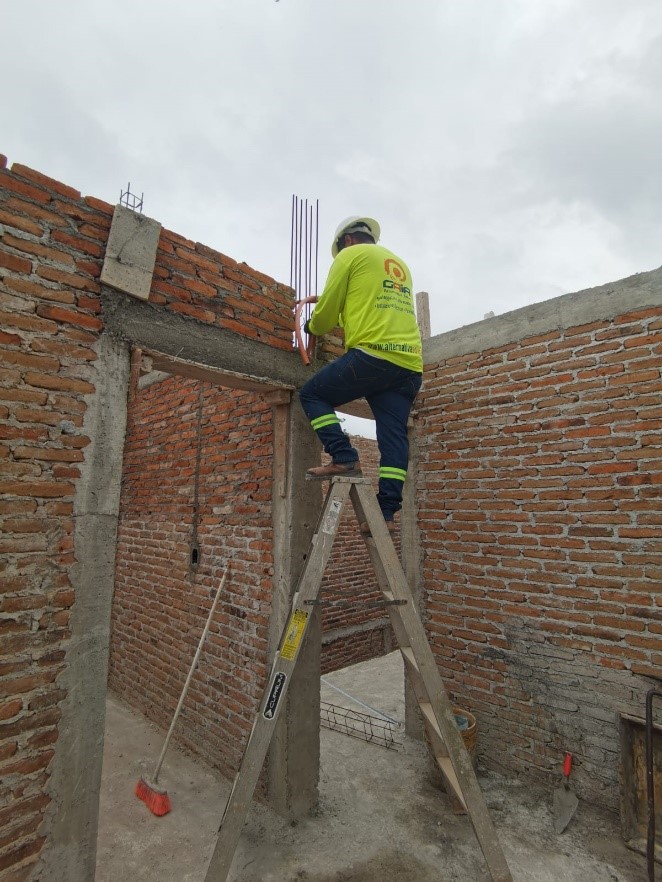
x=355, y=225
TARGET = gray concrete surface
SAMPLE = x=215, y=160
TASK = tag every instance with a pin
x=379, y=818
x=76, y=769
x=131, y=252
x=567, y=311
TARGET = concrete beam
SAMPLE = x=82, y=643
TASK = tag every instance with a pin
x=153, y=328
x=567, y=311
x=173, y=339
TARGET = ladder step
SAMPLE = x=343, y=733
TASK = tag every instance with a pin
x=408, y=655
x=446, y=767
x=428, y=713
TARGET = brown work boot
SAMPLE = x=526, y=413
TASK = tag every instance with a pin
x=333, y=470
x=364, y=527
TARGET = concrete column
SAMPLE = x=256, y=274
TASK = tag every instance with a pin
x=294, y=755
x=70, y=852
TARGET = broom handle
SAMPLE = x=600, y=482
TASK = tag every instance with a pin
x=188, y=679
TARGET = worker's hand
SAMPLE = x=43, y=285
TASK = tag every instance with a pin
x=306, y=328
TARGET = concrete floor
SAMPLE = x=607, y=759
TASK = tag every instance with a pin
x=379, y=817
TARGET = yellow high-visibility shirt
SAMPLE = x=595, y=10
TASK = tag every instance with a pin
x=368, y=293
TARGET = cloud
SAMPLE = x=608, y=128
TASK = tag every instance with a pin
x=509, y=149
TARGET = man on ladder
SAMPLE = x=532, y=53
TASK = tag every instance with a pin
x=369, y=294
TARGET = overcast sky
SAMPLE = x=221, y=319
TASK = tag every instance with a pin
x=511, y=149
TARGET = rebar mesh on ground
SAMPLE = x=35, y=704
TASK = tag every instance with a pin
x=358, y=725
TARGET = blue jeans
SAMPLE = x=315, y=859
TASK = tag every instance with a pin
x=390, y=391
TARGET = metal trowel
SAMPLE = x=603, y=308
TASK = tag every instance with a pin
x=565, y=801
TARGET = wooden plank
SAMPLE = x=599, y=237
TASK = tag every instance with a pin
x=229, y=379
x=423, y=313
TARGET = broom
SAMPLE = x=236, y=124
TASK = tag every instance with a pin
x=156, y=798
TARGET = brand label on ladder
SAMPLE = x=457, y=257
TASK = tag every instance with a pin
x=293, y=634
x=331, y=517
x=274, y=695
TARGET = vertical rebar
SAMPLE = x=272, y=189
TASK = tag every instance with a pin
x=317, y=229
x=292, y=238
x=305, y=252
x=310, y=254
x=300, y=245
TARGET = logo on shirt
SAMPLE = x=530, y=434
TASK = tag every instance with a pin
x=394, y=270
x=397, y=276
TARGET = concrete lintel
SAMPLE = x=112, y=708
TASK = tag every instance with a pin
x=181, y=337
x=567, y=311
x=131, y=252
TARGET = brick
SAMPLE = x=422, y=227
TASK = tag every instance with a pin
x=22, y=544
x=69, y=316
x=42, y=180
x=14, y=263
x=17, y=222
x=94, y=231
x=27, y=360
x=100, y=205
x=10, y=339
x=9, y=182
x=9, y=709
x=46, y=381
x=21, y=853
x=38, y=489
x=26, y=322
x=77, y=243
x=45, y=416
x=66, y=279
x=31, y=210
x=64, y=348
x=28, y=286
x=48, y=454
x=197, y=312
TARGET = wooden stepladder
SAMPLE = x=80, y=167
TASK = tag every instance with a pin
x=436, y=709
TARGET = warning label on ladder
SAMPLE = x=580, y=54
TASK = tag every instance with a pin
x=293, y=634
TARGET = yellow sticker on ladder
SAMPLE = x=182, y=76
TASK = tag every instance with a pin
x=294, y=633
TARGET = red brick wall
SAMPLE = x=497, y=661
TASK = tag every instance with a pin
x=162, y=599
x=52, y=243
x=352, y=630
x=194, y=280
x=539, y=507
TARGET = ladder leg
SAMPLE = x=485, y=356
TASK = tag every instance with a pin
x=426, y=676
x=273, y=699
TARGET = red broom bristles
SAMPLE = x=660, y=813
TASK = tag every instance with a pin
x=156, y=800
